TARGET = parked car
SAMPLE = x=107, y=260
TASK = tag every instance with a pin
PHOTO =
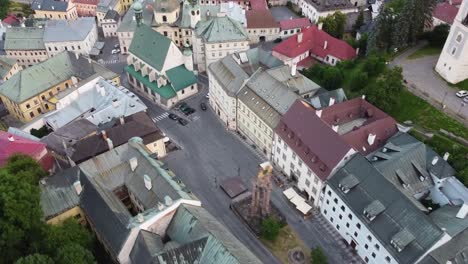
x=173, y=116
x=188, y=111
x=462, y=93
x=182, y=106
x=182, y=121
x=115, y=51
x=278, y=40
x=203, y=106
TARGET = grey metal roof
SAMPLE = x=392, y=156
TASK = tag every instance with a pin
x=68, y=30
x=128, y=23
x=260, y=107
x=231, y=73
x=24, y=38
x=58, y=194
x=331, y=5
x=69, y=135
x=98, y=108
x=322, y=98
x=405, y=162
x=221, y=29
x=298, y=83
x=49, y=5
x=399, y=214
x=445, y=218
x=454, y=251
x=110, y=171
x=146, y=245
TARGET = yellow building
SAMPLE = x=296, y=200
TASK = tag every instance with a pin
x=54, y=9
x=125, y=4
x=30, y=92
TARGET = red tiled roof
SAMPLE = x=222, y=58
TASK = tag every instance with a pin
x=20, y=145
x=313, y=40
x=11, y=20
x=294, y=23
x=312, y=139
x=377, y=123
x=258, y=5
x=445, y=12
x=260, y=19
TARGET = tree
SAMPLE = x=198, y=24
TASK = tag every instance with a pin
x=74, y=253
x=358, y=81
x=4, y=6
x=317, y=256
x=359, y=22
x=270, y=228
x=438, y=35
x=334, y=24
x=386, y=90
x=35, y=259
x=374, y=65
x=332, y=78
x=70, y=231
x=25, y=168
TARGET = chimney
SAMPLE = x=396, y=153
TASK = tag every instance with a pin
x=147, y=180
x=122, y=120
x=363, y=97
x=332, y=101
x=38, y=6
x=140, y=218
x=461, y=214
x=167, y=200
x=133, y=163
x=371, y=139
x=299, y=37
x=78, y=187
x=325, y=44
x=318, y=113
x=293, y=69
x=335, y=128
x=133, y=18
x=434, y=160
x=450, y=2
x=109, y=143
x=320, y=26
x=104, y=135
x=446, y=156
x=11, y=138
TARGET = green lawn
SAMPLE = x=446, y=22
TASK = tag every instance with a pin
x=461, y=85
x=425, y=51
x=286, y=240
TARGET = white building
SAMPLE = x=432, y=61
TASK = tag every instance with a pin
x=315, y=9
x=110, y=23
x=307, y=150
x=157, y=69
x=211, y=44
x=78, y=36
x=453, y=61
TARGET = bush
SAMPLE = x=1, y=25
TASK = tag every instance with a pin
x=358, y=81
x=374, y=65
x=437, y=36
x=332, y=78
x=270, y=228
x=41, y=132
x=317, y=256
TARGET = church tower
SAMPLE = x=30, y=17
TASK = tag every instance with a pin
x=193, y=10
x=453, y=61
x=138, y=8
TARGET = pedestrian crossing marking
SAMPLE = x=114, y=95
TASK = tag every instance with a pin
x=161, y=117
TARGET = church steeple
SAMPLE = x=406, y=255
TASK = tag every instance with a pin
x=138, y=8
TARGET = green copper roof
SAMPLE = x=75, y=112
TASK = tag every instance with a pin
x=5, y=65
x=24, y=38
x=166, y=91
x=137, y=6
x=221, y=29
x=150, y=46
x=180, y=77
x=40, y=77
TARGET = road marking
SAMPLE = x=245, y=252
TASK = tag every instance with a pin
x=161, y=117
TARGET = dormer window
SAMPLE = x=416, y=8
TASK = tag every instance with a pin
x=348, y=182
x=373, y=209
x=402, y=239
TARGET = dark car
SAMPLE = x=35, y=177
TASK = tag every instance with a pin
x=173, y=116
x=183, y=106
x=278, y=40
x=188, y=111
x=203, y=106
x=182, y=121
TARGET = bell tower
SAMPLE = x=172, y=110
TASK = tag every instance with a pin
x=138, y=8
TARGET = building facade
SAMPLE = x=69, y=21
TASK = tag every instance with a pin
x=52, y=9
x=8, y=67
x=261, y=26
x=78, y=36
x=314, y=10
x=210, y=44
x=86, y=8
x=165, y=77
x=453, y=61
x=30, y=97
x=110, y=24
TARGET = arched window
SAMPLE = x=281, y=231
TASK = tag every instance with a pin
x=164, y=19
x=193, y=13
x=459, y=37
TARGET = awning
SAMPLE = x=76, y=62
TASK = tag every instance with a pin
x=296, y=200
x=289, y=193
x=304, y=207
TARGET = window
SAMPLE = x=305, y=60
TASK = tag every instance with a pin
x=340, y=216
x=369, y=238
x=377, y=246
x=335, y=200
x=342, y=208
x=454, y=49
x=51, y=94
x=355, y=234
x=164, y=18
x=42, y=97
x=387, y=258
x=39, y=110
x=315, y=180
x=310, y=173
x=284, y=156
x=28, y=106
x=314, y=190
x=307, y=182
x=31, y=114
x=299, y=163
x=338, y=227
x=366, y=246
x=459, y=37
x=358, y=225
x=347, y=225
x=366, y=259
x=325, y=212
x=329, y=192
x=331, y=219
x=333, y=209
x=373, y=254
